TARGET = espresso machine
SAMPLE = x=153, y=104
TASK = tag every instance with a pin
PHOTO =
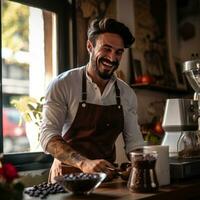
x=181, y=123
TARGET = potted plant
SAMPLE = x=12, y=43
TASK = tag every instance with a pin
x=31, y=112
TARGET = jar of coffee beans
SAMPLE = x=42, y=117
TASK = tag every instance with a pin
x=143, y=175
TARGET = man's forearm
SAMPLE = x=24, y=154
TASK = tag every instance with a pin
x=59, y=149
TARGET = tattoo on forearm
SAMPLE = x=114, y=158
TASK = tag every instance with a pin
x=76, y=156
x=63, y=152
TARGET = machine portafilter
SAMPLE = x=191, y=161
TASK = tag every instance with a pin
x=181, y=120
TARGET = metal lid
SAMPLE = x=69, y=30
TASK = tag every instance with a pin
x=191, y=64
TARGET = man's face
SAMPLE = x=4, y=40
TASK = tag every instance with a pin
x=106, y=54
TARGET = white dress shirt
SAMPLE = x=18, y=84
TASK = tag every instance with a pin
x=63, y=97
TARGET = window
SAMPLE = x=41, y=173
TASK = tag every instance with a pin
x=35, y=39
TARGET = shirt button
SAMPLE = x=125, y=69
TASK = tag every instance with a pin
x=107, y=124
x=83, y=105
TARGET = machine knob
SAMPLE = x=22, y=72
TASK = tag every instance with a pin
x=191, y=108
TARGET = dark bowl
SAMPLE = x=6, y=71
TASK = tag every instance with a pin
x=81, y=183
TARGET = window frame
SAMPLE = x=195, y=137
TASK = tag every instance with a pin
x=64, y=13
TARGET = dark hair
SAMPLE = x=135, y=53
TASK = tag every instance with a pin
x=99, y=26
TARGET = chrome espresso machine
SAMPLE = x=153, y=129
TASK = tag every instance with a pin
x=181, y=123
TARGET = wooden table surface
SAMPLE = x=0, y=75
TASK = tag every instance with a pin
x=117, y=189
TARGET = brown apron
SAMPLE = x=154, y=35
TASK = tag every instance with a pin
x=93, y=132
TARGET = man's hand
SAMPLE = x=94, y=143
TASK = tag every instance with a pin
x=100, y=165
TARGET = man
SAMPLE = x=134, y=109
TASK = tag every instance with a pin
x=88, y=107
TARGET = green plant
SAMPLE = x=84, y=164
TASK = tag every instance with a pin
x=30, y=109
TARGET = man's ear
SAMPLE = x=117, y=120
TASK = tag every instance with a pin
x=89, y=46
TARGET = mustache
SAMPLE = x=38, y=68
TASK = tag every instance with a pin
x=113, y=63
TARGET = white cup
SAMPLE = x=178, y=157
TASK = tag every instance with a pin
x=162, y=163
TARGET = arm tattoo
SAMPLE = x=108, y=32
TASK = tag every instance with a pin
x=59, y=149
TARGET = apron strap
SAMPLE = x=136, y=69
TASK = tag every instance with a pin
x=84, y=89
x=117, y=90
x=84, y=93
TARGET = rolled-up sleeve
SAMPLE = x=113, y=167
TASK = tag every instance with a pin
x=131, y=134
x=54, y=113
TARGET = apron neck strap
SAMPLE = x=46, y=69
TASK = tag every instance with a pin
x=84, y=93
x=117, y=94
x=84, y=89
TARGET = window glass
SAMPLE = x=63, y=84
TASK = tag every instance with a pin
x=28, y=64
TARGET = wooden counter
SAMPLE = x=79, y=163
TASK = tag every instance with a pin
x=117, y=189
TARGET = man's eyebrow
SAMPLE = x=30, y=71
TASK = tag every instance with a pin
x=107, y=45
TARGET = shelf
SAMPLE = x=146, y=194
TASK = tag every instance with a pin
x=159, y=88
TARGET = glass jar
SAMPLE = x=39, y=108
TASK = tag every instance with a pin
x=143, y=176
x=188, y=145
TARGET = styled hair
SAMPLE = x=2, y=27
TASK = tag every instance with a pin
x=109, y=25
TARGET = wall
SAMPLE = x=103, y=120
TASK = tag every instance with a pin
x=189, y=31
x=183, y=32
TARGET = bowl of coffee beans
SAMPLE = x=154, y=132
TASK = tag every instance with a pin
x=80, y=183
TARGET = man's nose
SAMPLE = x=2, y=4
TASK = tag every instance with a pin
x=112, y=56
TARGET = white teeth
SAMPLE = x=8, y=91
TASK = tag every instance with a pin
x=107, y=64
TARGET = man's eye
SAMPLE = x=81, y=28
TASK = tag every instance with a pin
x=119, y=53
x=107, y=49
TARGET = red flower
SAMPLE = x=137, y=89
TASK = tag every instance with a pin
x=9, y=172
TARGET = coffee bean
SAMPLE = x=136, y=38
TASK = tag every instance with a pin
x=80, y=176
x=44, y=189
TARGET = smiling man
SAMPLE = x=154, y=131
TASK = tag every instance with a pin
x=87, y=108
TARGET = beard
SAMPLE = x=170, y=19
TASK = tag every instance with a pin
x=105, y=75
